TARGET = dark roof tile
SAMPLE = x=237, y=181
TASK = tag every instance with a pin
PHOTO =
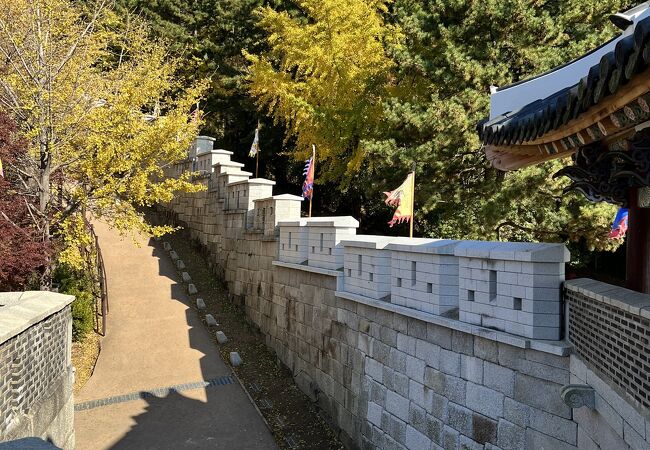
x=630, y=56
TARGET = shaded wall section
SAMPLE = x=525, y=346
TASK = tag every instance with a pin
x=36, y=375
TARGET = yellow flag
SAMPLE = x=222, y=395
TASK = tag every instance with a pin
x=402, y=197
x=2, y=173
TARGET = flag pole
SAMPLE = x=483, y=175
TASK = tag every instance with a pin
x=313, y=161
x=257, y=160
x=412, y=202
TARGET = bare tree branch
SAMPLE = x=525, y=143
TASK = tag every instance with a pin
x=89, y=28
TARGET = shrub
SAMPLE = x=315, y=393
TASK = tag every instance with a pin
x=81, y=285
x=23, y=254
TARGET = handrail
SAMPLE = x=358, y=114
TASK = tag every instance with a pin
x=102, y=283
x=102, y=294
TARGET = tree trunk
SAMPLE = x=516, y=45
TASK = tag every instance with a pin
x=44, y=194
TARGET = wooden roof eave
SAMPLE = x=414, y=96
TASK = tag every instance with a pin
x=503, y=160
x=601, y=118
x=637, y=87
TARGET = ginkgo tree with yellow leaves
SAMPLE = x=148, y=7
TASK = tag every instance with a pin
x=102, y=113
x=326, y=75
x=381, y=85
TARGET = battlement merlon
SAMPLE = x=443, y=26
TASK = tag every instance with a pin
x=367, y=266
x=424, y=245
x=324, y=235
x=315, y=241
x=368, y=241
x=512, y=286
x=220, y=181
x=218, y=151
x=202, y=144
x=270, y=211
x=209, y=158
x=424, y=274
x=293, y=241
x=242, y=194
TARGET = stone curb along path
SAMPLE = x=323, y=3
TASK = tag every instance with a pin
x=210, y=321
x=235, y=358
x=294, y=417
x=160, y=382
x=192, y=290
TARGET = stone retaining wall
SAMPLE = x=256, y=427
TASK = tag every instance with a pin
x=439, y=367
x=35, y=367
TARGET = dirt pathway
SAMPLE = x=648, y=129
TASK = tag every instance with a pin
x=159, y=382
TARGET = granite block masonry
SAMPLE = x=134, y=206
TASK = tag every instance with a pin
x=36, y=374
x=384, y=334
x=424, y=275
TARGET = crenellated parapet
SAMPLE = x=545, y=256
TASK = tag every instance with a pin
x=503, y=286
x=511, y=288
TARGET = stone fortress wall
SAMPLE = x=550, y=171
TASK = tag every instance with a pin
x=36, y=375
x=425, y=343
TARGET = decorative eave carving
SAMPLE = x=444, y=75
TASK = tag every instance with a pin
x=604, y=175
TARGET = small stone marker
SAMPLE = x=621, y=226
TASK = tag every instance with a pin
x=200, y=303
x=167, y=246
x=192, y=289
x=180, y=265
x=186, y=277
x=211, y=321
x=221, y=337
x=235, y=359
x=173, y=255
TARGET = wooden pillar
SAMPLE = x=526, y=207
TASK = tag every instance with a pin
x=638, y=245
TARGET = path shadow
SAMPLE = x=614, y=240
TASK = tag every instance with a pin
x=219, y=417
